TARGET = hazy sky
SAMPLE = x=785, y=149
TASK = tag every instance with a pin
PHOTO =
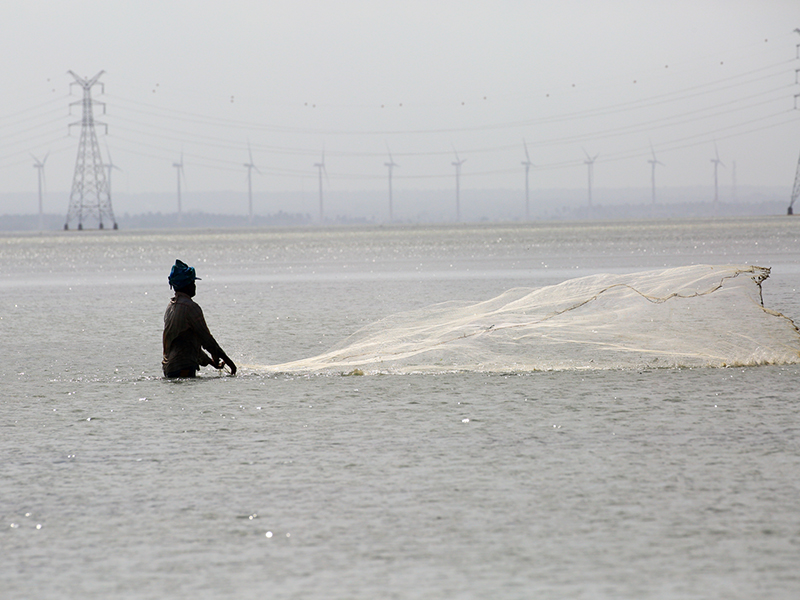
x=204, y=77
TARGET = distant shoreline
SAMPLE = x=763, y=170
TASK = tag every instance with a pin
x=204, y=220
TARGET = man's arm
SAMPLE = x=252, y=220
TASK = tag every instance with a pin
x=209, y=343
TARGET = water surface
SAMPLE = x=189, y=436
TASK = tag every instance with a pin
x=621, y=483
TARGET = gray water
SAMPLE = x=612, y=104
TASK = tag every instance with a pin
x=632, y=483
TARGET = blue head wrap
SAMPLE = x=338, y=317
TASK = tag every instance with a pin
x=181, y=275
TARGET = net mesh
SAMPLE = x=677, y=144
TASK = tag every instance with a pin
x=691, y=316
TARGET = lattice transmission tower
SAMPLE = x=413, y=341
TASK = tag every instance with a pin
x=90, y=195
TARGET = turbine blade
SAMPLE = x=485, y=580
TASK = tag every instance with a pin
x=527, y=156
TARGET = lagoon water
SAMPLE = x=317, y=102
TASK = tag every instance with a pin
x=627, y=481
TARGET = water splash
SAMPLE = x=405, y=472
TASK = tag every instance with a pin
x=695, y=316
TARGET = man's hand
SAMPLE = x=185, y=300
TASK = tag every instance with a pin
x=222, y=360
x=230, y=364
x=205, y=359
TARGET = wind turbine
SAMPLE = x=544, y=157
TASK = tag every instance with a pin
x=797, y=47
x=179, y=171
x=390, y=165
x=39, y=164
x=527, y=164
x=653, y=162
x=795, y=189
x=110, y=165
x=589, y=162
x=320, y=168
x=717, y=162
x=457, y=164
x=250, y=166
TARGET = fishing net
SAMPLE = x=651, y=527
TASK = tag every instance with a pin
x=684, y=317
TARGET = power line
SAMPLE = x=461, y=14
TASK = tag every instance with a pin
x=649, y=102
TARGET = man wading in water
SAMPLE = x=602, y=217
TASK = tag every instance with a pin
x=186, y=332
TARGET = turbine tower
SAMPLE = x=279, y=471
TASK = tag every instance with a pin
x=179, y=171
x=527, y=164
x=390, y=165
x=653, y=163
x=457, y=164
x=320, y=168
x=39, y=164
x=90, y=195
x=589, y=162
x=250, y=166
x=110, y=165
x=797, y=46
x=795, y=188
x=717, y=162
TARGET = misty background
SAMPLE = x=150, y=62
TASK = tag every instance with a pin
x=356, y=85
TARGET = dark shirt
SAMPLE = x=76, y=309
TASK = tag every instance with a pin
x=185, y=334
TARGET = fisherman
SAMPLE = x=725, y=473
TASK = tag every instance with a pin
x=185, y=331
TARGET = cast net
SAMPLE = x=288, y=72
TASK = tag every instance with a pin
x=691, y=316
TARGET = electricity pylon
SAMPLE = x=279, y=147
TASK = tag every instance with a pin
x=795, y=189
x=90, y=195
